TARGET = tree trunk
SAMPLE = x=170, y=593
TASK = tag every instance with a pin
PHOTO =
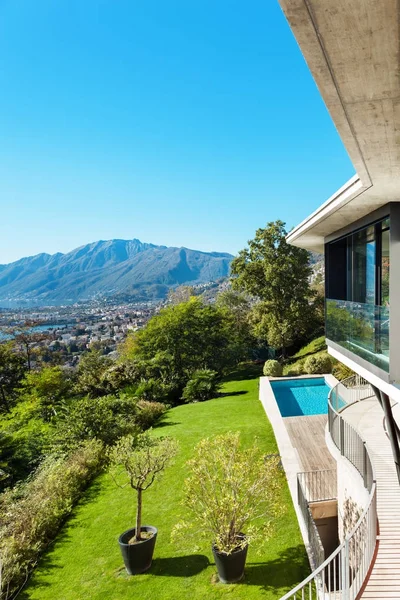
x=28, y=356
x=139, y=515
x=4, y=398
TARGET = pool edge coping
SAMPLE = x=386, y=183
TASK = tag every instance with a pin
x=288, y=454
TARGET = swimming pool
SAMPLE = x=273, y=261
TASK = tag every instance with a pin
x=299, y=397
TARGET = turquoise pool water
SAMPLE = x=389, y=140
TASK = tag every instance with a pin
x=299, y=397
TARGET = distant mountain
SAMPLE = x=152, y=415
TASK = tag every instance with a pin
x=108, y=268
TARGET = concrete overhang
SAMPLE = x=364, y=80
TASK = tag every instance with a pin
x=352, y=48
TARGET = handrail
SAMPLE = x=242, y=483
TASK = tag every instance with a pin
x=320, y=571
x=343, y=573
x=317, y=552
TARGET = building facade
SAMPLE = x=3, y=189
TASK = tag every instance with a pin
x=352, y=48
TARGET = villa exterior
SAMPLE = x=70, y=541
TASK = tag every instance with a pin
x=352, y=48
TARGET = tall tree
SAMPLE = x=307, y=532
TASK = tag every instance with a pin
x=12, y=368
x=185, y=337
x=27, y=338
x=48, y=388
x=278, y=275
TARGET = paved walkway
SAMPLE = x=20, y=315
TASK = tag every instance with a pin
x=384, y=581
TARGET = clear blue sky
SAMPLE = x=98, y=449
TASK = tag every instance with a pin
x=186, y=123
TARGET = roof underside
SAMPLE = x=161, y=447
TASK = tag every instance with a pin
x=352, y=49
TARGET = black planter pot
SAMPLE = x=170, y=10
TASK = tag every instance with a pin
x=137, y=557
x=230, y=567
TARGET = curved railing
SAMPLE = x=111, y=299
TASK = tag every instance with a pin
x=342, y=575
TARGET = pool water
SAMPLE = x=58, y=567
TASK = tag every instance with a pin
x=299, y=397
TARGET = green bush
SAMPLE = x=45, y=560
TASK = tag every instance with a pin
x=154, y=390
x=318, y=364
x=203, y=385
x=272, y=368
x=32, y=513
x=106, y=419
x=149, y=413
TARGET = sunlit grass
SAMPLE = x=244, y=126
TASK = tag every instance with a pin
x=85, y=561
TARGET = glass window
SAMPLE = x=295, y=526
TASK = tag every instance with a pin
x=363, y=263
x=385, y=268
x=357, y=305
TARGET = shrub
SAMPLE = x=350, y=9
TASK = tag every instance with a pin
x=318, y=363
x=154, y=390
x=230, y=492
x=106, y=419
x=149, y=413
x=202, y=386
x=32, y=513
x=139, y=461
x=272, y=368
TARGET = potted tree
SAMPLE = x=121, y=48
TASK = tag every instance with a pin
x=233, y=497
x=138, y=461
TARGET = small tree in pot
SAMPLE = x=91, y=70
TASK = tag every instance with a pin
x=233, y=497
x=138, y=461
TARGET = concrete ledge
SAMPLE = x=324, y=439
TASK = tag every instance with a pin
x=289, y=455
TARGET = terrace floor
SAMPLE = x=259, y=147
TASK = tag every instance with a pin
x=384, y=580
x=307, y=435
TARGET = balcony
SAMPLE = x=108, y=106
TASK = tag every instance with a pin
x=363, y=329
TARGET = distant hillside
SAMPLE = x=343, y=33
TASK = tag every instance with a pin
x=108, y=268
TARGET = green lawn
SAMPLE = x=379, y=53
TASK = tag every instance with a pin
x=85, y=562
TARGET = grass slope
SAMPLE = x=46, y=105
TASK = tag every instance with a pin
x=85, y=561
x=295, y=364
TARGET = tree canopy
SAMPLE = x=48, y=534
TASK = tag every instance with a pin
x=278, y=276
x=185, y=338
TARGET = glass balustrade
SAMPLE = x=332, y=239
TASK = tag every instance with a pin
x=361, y=328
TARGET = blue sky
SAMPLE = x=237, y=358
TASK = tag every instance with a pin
x=185, y=123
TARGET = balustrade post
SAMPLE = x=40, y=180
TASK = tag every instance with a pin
x=345, y=571
x=341, y=429
x=365, y=474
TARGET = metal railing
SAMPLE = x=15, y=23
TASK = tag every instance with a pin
x=342, y=575
x=350, y=390
x=314, y=540
x=344, y=436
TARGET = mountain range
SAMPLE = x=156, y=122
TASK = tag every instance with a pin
x=107, y=268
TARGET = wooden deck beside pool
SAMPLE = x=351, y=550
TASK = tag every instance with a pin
x=307, y=435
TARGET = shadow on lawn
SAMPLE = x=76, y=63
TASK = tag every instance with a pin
x=165, y=423
x=227, y=394
x=244, y=372
x=286, y=571
x=180, y=566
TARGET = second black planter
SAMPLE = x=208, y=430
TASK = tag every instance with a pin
x=138, y=557
x=230, y=567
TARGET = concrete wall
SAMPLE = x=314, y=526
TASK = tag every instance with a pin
x=350, y=485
